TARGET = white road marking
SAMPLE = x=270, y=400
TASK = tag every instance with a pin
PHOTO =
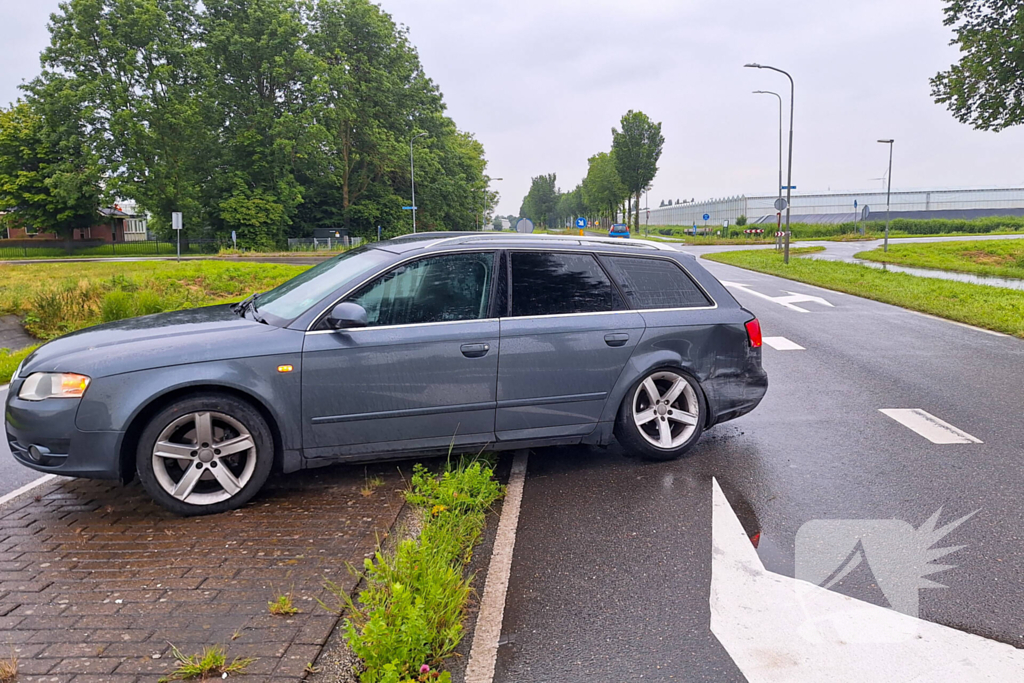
x=782, y=344
x=779, y=629
x=484, y=653
x=784, y=301
x=26, y=488
x=929, y=426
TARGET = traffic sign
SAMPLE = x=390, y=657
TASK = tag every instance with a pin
x=789, y=187
x=706, y=216
x=865, y=212
x=781, y=204
x=176, y=220
x=410, y=208
x=581, y=223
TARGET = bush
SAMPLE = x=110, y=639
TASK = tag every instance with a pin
x=116, y=305
x=741, y=221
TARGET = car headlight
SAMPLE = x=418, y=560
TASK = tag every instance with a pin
x=43, y=385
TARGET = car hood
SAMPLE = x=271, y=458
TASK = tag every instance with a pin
x=189, y=336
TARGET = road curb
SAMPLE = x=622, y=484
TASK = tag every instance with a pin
x=25, y=490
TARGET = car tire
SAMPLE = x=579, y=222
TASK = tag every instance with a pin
x=205, y=454
x=649, y=427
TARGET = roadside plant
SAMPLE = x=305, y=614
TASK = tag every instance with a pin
x=9, y=670
x=283, y=606
x=212, y=662
x=408, y=619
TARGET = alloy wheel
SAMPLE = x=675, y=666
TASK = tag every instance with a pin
x=666, y=409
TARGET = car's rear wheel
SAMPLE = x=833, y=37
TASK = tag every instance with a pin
x=205, y=454
x=662, y=416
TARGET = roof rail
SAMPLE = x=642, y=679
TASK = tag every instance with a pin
x=463, y=238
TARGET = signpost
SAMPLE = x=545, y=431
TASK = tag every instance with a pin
x=581, y=223
x=234, y=240
x=176, y=224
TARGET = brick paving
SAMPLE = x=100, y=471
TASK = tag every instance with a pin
x=96, y=581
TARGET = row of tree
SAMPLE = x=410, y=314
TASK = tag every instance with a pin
x=266, y=117
x=615, y=179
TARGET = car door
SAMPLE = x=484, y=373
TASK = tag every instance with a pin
x=421, y=374
x=565, y=338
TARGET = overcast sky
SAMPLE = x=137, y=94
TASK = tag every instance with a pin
x=542, y=82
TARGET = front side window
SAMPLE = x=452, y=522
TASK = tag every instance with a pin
x=432, y=290
x=654, y=283
x=554, y=284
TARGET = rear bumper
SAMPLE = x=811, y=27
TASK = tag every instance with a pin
x=732, y=396
x=42, y=435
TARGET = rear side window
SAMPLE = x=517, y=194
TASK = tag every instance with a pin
x=553, y=284
x=655, y=283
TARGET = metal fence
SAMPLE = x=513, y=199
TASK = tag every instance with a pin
x=839, y=207
x=13, y=249
x=322, y=243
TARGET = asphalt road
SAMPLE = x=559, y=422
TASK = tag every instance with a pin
x=610, y=578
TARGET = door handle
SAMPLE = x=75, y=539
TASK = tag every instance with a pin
x=475, y=350
x=618, y=339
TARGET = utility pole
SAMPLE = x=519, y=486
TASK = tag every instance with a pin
x=789, y=181
x=412, y=178
x=888, y=195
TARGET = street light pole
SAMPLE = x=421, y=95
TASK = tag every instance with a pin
x=412, y=177
x=888, y=195
x=789, y=181
x=778, y=240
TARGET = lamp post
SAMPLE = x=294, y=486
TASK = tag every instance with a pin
x=778, y=240
x=789, y=181
x=412, y=177
x=888, y=195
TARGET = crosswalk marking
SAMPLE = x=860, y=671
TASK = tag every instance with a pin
x=929, y=426
x=782, y=344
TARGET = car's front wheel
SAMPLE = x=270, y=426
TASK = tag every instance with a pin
x=662, y=416
x=205, y=454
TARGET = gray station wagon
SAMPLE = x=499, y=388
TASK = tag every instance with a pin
x=400, y=348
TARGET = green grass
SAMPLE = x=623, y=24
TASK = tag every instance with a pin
x=997, y=258
x=9, y=361
x=992, y=308
x=283, y=606
x=212, y=663
x=408, y=619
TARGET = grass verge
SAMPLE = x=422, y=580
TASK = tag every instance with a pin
x=996, y=258
x=408, y=619
x=992, y=308
x=57, y=298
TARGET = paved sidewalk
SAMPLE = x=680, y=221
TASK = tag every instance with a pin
x=96, y=580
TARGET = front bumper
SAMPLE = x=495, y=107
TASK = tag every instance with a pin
x=59, y=446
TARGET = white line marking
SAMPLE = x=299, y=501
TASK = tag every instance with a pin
x=779, y=629
x=929, y=426
x=958, y=324
x=26, y=488
x=785, y=301
x=484, y=653
x=782, y=344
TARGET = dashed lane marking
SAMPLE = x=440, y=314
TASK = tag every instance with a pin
x=484, y=653
x=929, y=426
x=782, y=344
x=784, y=301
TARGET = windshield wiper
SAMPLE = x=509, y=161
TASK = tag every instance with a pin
x=248, y=303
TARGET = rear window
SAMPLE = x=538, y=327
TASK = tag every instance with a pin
x=558, y=283
x=655, y=283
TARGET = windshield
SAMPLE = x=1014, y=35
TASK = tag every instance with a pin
x=291, y=299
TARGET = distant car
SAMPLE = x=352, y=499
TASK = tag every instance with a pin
x=396, y=349
x=619, y=230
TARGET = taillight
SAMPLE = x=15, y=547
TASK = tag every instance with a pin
x=754, y=332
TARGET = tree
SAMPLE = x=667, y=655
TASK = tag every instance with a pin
x=984, y=88
x=602, y=189
x=637, y=149
x=541, y=203
x=46, y=182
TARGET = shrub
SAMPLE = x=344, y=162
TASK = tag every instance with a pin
x=148, y=302
x=741, y=221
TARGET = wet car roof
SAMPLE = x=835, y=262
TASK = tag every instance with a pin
x=436, y=240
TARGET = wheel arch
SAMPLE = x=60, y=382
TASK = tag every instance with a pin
x=639, y=366
x=138, y=422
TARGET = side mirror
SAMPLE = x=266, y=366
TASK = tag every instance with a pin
x=347, y=315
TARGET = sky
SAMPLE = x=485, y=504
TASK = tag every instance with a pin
x=541, y=83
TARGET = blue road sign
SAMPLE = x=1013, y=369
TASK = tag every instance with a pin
x=581, y=223
x=409, y=208
x=706, y=216
x=789, y=187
